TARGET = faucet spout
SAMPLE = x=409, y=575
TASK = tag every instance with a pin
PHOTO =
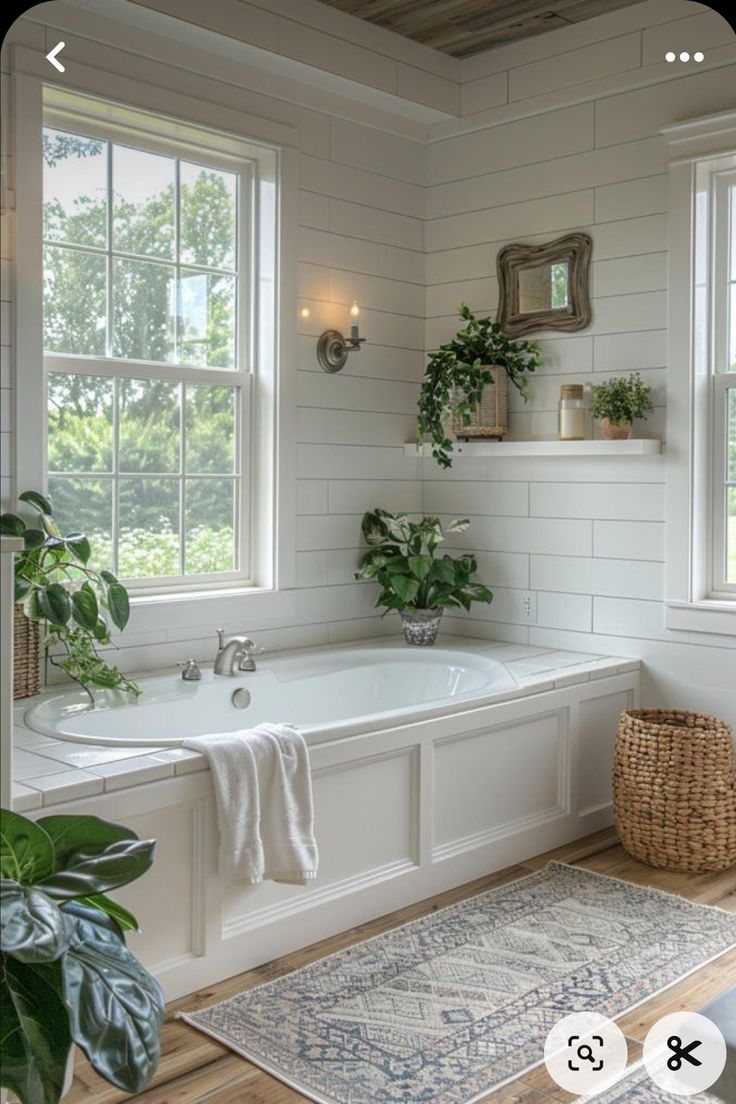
x=231, y=653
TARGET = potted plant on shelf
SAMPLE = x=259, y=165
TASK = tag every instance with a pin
x=57, y=590
x=67, y=975
x=616, y=402
x=465, y=385
x=402, y=558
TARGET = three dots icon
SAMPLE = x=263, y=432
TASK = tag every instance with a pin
x=684, y=56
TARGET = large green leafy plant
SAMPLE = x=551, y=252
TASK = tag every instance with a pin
x=402, y=558
x=622, y=399
x=72, y=601
x=66, y=974
x=457, y=372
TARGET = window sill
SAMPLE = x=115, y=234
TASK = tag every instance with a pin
x=706, y=616
x=209, y=608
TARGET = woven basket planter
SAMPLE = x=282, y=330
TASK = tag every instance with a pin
x=674, y=789
x=26, y=665
x=491, y=418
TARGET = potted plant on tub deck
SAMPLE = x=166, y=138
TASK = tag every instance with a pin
x=71, y=603
x=402, y=558
x=465, y=385
x=616, y=402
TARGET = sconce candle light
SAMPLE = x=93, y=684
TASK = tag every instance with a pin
x=333, y=348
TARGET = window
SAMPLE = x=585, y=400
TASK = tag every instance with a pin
x=701, y=377
x=724, y=386
x=146, y=319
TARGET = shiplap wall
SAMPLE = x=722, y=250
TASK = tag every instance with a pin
x=586, y=537
x=360, y=212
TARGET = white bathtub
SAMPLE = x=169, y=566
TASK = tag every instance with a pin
x=326, y=694
x=430, y=768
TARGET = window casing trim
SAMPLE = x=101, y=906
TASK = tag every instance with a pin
x=703, y=146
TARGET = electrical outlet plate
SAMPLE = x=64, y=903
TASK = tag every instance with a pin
x=528, y=606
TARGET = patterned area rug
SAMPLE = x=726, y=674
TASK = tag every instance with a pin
x=637, y=1087
x=444, y=1009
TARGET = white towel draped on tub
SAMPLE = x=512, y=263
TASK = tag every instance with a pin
x=263, y=790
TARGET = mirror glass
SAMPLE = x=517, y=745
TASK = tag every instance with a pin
x=544, y=287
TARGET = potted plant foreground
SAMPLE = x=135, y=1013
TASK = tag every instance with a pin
x=616, y=402
x=402, y=558
x=465, y=384
x=67, y=976
x=57, y=590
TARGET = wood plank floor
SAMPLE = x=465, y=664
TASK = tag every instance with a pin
x=197, y=1069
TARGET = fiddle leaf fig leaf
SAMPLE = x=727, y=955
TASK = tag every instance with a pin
x=105, y=984
x=35, y=1032
x=90, y=870
x=71, y=834
x=26, y=852
x=31, y=925
x=125, y=920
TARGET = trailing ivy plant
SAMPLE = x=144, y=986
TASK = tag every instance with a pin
x=402, y=558
x=66, y=975
x=622, y=399
x=457, y=372
x=68, y=598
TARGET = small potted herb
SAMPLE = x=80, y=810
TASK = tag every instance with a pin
x=67, y=976
x=616, y=402
x=57, y=590
x=402, y=558
x=465, y=384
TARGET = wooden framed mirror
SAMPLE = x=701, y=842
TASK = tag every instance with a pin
x=544, y=287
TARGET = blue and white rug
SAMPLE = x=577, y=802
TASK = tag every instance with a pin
x=637, y=1087
x=446, y=1008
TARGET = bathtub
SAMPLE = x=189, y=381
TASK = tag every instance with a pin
x=326, y=694
x=430, y=768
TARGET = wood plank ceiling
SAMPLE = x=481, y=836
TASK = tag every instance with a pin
x=465, y=27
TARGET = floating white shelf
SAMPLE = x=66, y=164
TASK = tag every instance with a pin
x=637, y=447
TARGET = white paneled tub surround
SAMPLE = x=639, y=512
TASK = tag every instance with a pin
x=510, y=757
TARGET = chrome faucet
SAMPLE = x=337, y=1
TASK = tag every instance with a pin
x=237, y=650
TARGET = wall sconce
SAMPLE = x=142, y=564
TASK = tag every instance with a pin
x=333, y=348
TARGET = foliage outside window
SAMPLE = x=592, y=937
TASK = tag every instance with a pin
x=144, y=336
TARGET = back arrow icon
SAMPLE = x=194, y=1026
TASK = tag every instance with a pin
x=52, y=56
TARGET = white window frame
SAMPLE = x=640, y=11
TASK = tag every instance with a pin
x=723, y=381
x=267, y=597
x=702, y=154
x=88, y=119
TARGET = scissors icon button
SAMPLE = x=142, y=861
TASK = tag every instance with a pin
x=679, y=1052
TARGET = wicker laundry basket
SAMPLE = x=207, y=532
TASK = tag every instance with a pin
x=26, y=665
x=491, y=417
x=674, y=789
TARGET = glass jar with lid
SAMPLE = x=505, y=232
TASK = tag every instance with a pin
x=573, y=415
